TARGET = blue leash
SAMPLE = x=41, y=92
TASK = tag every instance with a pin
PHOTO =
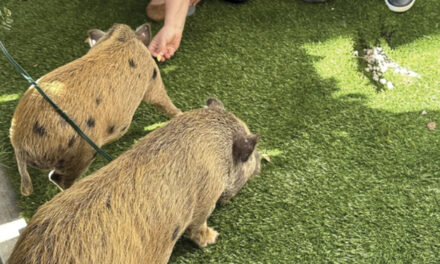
x=53, y=104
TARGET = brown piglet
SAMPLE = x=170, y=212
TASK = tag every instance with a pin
x=134, y=209
x=99, y=91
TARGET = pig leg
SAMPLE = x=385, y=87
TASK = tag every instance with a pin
x=65, y=176
x=26, y=182
x=159, y=98
x=199, y=231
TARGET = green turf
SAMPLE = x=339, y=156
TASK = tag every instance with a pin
x=354, y=173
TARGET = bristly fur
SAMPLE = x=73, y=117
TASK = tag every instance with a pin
x=100, y=90
x=134, y=209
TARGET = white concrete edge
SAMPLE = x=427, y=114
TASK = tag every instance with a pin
x=11, y=229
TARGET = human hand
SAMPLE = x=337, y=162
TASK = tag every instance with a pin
x=165, y=43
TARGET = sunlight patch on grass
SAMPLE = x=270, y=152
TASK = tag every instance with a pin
x=274, y=152
x=154, y=126
x=269, y=154
x=168, y=69
x=9, y=97
x=336, y=61
x=422, y=57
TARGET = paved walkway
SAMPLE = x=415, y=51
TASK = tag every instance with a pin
x=10, y=220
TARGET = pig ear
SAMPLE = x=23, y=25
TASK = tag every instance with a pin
x=143, y=33
x=214, y=103
x=94, y=36
x=243, y=146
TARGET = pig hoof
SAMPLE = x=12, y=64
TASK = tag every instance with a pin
x=27, y=190
x=205, y=237
x=210, y=237
x=26, y=187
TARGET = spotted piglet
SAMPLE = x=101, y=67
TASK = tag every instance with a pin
x=99, y=91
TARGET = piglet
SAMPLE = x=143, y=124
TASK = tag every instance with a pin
x=99, y=91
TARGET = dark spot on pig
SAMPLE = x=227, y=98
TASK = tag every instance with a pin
x=71, y=141
x=121, y=39
x=39, y=130
x=111, y=129
x=107, y=203
x=139, y=75
x=154, y=73
x=176, y=232
x=59, y=164
x=124, y=128
x=98, y=101
x=91, y=122
x=131, y=62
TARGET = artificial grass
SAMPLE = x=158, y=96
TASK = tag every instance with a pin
x=354, y=176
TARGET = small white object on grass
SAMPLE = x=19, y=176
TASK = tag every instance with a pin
x=378, y=64
x=383, y=68
x=413, y=74
x=356, y=53
x=265, y=157
x=424, y=112
x=390, y=85
x=431, y=126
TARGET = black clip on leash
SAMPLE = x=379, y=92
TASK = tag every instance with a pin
x=53, y=104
